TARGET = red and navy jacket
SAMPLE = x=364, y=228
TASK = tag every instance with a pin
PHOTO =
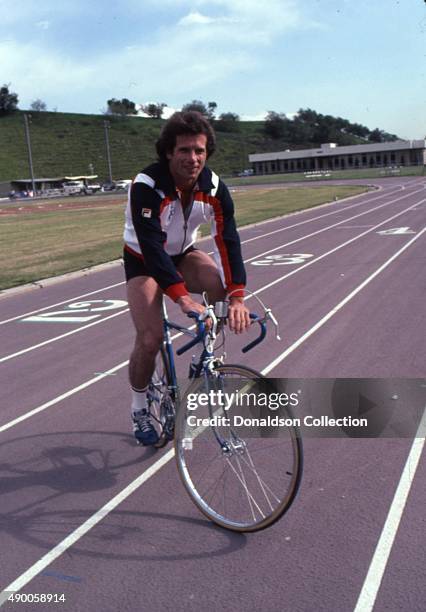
x=158, y=227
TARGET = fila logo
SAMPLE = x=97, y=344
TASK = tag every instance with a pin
x=171, y=212
x=146, y=212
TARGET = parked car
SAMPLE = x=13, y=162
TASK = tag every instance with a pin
x=123, y=184
x=108, y=186
x=92, y=188
x=72, y=188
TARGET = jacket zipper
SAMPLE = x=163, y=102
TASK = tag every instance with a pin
x=186, y=214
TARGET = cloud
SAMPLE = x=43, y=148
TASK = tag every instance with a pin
x=262, y=116
x=243, y=21
x=195, y=18
x=200, y=44
x=257, y=117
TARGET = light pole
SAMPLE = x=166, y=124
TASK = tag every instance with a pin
x=106, y=128
x=30, y=157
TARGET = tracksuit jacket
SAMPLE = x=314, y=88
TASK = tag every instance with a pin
x=158, y=227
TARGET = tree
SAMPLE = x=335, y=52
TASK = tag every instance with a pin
x=307, y=115
x=301, y=132
x=121, y=107
x=195, y=105
x=276, y=124
x=38, y=105
x=375, y=135
x=8, y=100
x=154, y=110
x=386, y=137
x=211, y=110
x=228, y=122
x=199, y=106
x=359, y=130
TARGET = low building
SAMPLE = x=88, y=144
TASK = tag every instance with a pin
x=48, y=185
x=329, y=156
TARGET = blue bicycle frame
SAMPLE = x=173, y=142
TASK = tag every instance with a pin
x=197, y=336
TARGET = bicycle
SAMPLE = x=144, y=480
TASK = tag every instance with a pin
x=241, y=478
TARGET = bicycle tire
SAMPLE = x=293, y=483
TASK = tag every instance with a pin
x=158, y=395
x=250, y=487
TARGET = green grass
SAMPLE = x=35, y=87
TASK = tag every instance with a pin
x=46, y=244
x=41, y=244
x=256, y=205
x=66, y=144
x=296, y=177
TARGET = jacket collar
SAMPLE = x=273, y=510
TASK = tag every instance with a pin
x=166, y=183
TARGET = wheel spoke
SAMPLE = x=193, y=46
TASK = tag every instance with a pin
x=250, y=498
x=243, y=485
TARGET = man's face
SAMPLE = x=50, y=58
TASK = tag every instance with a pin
x=188, y=159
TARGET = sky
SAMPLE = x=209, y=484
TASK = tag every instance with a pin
x=361, y=60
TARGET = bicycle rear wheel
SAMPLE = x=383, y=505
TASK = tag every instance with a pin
x=160, y=401
x=242, y=478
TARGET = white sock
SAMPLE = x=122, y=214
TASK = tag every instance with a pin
x=139, y=400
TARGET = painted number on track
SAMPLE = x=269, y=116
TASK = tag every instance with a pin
x=73, y=313
x=396, y=231
x=282, y=259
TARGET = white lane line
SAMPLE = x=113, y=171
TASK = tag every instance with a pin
x=74, y=299
x=241, y=230
x=99, y=376
x=377, y=567
x=265, y=371
x=74, y=331
x=370, y=588
x=339, y=306
x=58, y=399
x=334, y=225
x=70, y=540
x=84, y=528
x=320, y=257
x=69, y=333
x=338, y=210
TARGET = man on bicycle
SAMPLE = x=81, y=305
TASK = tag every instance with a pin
x=167, y=203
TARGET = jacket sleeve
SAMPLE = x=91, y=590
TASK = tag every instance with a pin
x=146, y=208
x=227, y=242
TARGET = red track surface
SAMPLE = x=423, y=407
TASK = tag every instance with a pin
x=351, y=304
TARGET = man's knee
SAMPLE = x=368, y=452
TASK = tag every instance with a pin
x=201, y=274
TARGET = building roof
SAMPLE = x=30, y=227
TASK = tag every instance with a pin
x=331, y=149
x=56, y=179
x=39, y=180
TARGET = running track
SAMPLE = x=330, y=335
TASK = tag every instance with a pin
x=87, y=513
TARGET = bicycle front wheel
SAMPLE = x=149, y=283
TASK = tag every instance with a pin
x=243, y=478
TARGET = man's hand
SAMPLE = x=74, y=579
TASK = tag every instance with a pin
x=187, y=304
x=238, y=315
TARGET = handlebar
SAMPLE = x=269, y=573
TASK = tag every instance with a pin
x=201, y=332
x=256, y=319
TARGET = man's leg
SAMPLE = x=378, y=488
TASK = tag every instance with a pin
x=201, y=274
x=144, y=297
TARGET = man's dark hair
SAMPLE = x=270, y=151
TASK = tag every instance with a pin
x=184, y=123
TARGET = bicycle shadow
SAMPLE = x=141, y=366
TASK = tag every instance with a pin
x=153, y=532
x=84, y=468
x=61, y=469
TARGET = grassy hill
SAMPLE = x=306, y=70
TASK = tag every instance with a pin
x=73, y=144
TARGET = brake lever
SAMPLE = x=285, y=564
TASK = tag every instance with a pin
x=269, y=315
